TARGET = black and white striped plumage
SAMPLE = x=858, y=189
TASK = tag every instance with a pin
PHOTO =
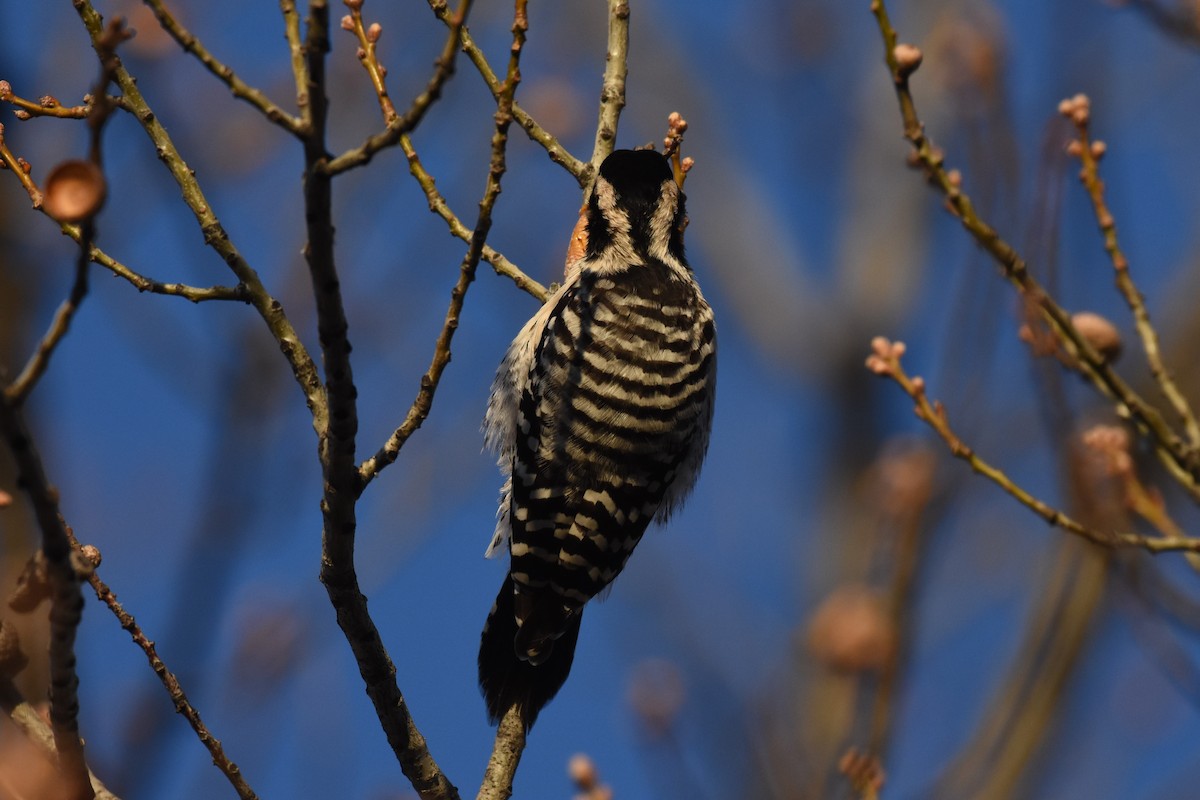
x=600, y=414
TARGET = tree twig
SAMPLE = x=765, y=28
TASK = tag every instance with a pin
x=580, y=170
x=240, y=89
x=436, y=202
x=438, y=205
x=269, y=308
x=397, y=125
x=20, y=168
x=367, y=40
x=510, y=736
x=291, y=32
x=179, y=698
x=1179, y=459
x=35, y=367
x=1089, y=152
x=45, y=106
x=142, y=283
x=197, y=294
x=885, y=361
x=419, y=410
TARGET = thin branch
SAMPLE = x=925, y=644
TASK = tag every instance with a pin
x=45, y=106
x=1090, y=152
x=397, y=125
x=291, y=30
x=269, y=308
x=20, y=168
x=438, y=205
x=580, y=170
x=196, y=294
x=506, y=755
x=19, y=389
x=612, y=91
x=885, y=361
x=1179, y=459
x=225, y=73
x=179, y=698
x=510, y=736
x=353, y=22
x=443, y=69
x=419, y=410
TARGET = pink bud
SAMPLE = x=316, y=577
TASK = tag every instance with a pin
x=908, y=58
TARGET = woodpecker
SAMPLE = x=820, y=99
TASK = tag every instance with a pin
x=599, y=415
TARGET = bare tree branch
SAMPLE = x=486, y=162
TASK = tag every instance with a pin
x=19, y=389
x=398, y=124
x=612, y=91
x=885, y=361
x=580, y=170
x=506, y=756
x=269, y=308
x=222, y=71
x=1181, y=460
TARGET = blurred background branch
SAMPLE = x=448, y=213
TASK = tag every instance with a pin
x=841, y=611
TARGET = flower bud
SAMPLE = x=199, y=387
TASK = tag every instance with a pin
x=908, y=58
x=1101, y=334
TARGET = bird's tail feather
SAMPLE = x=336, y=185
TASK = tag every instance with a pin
x=505, y=679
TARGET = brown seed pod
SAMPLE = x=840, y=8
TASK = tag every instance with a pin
x=75, y=191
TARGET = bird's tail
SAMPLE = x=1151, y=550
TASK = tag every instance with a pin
x=507, y=680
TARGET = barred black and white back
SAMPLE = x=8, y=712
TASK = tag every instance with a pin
x=600, y=415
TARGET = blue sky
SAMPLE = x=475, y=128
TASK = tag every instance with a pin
x=183, y=450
